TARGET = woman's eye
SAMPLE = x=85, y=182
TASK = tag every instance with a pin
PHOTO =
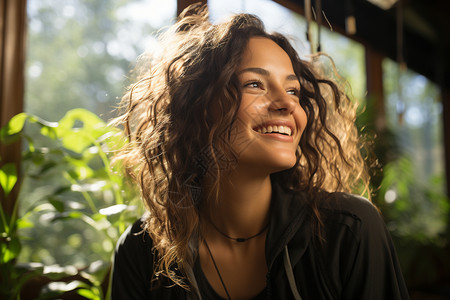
x=254, y=84
x=294, y=92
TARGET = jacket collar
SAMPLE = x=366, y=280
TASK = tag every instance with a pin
x=289, y=217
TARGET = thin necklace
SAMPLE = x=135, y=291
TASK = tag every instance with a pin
x=240, y=240
x=217, y=269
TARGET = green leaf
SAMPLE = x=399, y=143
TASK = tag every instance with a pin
x=8, y=178
x=61, y=190
x=100, y=224
x=81, y=169
x=30, y=141
x=88, y=294
x=51, y=132
x=54, y=289
x=89, y=119
x=47, y=167
x=77, y=141
x=26, y=267
x=57, y=203
x=56, y=272
x=10, y=249
x=23, y=223
x=68, y=216
x=96, y=272
x=98, y=216
x=114, y=209
x=75, y=137
x=14, y=126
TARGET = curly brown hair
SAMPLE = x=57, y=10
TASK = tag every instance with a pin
x=178, y=118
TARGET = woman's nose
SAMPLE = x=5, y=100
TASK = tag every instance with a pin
x=282, y=102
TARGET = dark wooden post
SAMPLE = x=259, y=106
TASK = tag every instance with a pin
x=445, y=93
x=12, y=63
x=182, y=4
x=374, y=84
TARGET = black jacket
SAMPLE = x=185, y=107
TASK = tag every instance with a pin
x=356, y=259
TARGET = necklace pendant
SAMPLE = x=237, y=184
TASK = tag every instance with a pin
x=240, y=240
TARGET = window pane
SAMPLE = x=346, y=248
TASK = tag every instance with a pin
x=79, y=55
x=80, y=51
x=416, y=195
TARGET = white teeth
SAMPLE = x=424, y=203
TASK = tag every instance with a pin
x=274, y=128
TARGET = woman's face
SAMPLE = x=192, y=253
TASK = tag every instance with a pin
x=270, y=119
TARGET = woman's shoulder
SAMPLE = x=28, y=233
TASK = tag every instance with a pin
x=133, y=264
x=353, y=212
x=135, y=239
x=357, y=240
x=339, y=202
x=134, y=245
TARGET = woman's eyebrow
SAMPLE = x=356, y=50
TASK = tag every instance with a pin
x=292, y=77
x=264, y=72
x=259, y=71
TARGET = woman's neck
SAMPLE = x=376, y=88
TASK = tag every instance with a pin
x=242, y=209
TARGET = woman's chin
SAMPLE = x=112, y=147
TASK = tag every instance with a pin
x=271, y=167
x=283, y=167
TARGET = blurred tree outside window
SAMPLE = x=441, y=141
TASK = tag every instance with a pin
x=79, y=55
x=80, y=51
x=414, y=189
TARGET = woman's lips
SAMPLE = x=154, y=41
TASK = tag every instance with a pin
x=280, y=129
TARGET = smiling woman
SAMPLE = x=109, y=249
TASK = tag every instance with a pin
x=246, y=160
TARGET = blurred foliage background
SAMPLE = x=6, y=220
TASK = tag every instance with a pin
x=73, y=204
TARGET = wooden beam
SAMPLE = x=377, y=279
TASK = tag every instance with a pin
x=445, y=93
x=374, y=84
x=292, y=5
x=12, y=83
x=182, y=4
x=297, y=7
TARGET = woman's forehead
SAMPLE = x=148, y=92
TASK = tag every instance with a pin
x=262, y=52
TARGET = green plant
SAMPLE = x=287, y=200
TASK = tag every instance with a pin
x=414, y=208
x=10, y=243
x=70, y=183
x=416, y=212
